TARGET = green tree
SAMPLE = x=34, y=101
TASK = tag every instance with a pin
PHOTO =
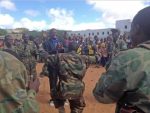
x=35, y=33
x=3, y=32
x=22, y=30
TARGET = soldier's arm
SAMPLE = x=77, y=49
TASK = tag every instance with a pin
x=112, y=84
x=29, y=105
x=27, y=98
x=45, y=56
x=50, y=62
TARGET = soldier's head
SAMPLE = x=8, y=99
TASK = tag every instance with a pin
x=25, y=37
x=140, y=28
x=8, y=41
x=53, y=33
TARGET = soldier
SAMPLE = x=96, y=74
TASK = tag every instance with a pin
x=110, y=47
x=14, y=98
x=69, y=70
x=27, y=51
x=126, y=80
x=51, y=45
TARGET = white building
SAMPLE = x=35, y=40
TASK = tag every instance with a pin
x=123, y=25
x=101, y=33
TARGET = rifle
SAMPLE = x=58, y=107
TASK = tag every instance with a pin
x=124, y=106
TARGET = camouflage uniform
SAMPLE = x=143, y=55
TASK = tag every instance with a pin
x=126, y=80
x=12, y=51
x=27, y=53
x=14, y=98
x=71, y=71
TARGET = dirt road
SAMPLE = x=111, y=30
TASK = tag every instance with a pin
x=92, y=106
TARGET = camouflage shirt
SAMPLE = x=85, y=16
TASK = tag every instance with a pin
x=26, y=52
x=74, y=63
x=14, y=98
x=68, y=68
x=128, y=73
x=12, y=51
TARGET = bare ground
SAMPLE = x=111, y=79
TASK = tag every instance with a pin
x=92, y=106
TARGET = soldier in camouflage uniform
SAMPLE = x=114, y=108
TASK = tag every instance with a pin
x=127, y=79
x=27, y=51
x=69, y=70
x=14, y=98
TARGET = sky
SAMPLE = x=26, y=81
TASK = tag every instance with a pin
x=67, y=14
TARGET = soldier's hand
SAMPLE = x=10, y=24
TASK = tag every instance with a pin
x=34, y=85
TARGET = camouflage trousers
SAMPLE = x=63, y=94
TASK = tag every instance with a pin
x=76, y=105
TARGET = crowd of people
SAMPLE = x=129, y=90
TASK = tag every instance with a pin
x=102, y=49
x=125, y=82
x=99, y=50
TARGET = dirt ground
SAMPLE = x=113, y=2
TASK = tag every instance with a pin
x=92, y=106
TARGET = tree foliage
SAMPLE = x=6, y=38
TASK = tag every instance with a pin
x=35, y=33
x=3, y=32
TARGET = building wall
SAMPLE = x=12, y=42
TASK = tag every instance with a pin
x=123, y=25
x=101, y=33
